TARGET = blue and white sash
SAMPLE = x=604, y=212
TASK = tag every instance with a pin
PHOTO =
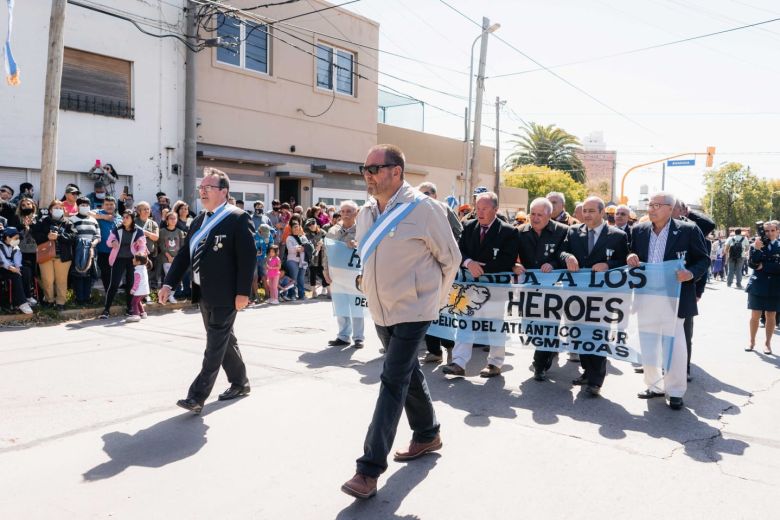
x=208, y=224
x=385, y=225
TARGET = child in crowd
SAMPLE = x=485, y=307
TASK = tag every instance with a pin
x=273, y=265
x=171, y=240
x=263, y=240
x=140, y=288
x=286, y=287
x=11, y=269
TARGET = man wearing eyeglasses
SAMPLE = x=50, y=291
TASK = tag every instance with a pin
x=663, y=238
x=220, y=250
x=409, y=259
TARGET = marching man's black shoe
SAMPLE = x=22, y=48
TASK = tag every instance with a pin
x=338, y=342
x=233, y=392
x=191, y=405
x=675, y=403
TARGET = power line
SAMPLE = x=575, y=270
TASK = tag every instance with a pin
x=641, y=49
x=316, y=11
x=553, y=73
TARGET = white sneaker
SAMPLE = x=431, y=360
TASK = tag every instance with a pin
x=32, y=301
x=25, y=308
x=133, y=318
x=171, y=299
x=274, y=302
x=144, y=316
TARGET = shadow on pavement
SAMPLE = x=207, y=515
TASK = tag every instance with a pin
x=342, y=357
x=168, y=441
x=390, y=495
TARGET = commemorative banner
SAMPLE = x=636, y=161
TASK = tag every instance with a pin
x=627, y=314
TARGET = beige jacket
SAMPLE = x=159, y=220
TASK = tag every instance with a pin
x=410, y=274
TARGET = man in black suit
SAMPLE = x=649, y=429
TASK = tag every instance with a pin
x=598, y=246
x=706, y=225
x=542, y=246
x=661, y=239
x=488, y=245
x=222, y=258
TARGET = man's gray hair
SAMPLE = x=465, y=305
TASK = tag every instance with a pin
x=488, y=195
x=541, y=201
x=578, y=205
x=669, y=198
x=557, y=194
x=599, y=200
x=680, y=204
x=349, y=203
x=427, y=186
x=623, y=206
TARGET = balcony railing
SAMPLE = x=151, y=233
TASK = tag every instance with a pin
x=96, y=105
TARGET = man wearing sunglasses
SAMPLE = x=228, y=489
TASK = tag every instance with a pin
x=409, y=260
x=220, y=249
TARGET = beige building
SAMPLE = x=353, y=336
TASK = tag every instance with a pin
x=285, y=122
x=599, y=166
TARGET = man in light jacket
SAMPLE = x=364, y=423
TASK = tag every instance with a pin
x=409, y=259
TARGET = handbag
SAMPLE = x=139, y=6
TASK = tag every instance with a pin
x=45, y=252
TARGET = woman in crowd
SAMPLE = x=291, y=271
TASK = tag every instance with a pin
x=317, y=238
x=298, y=249
x=182, y=211
x=716, y=257
x=27, y=212
x=126, y=241
x=764, y=286
x=56, y=228
x=171, y=240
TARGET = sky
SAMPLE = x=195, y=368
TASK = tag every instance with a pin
x=719, y=91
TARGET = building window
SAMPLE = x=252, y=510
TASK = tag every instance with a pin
x=248, y=44
x=335, y=63
x=96, y=84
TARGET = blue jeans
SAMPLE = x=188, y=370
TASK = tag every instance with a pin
x=82, y=288
x=403, y=388
x=350, y=327
x=297, y=274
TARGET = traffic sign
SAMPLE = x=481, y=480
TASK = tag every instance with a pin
x=681, y=162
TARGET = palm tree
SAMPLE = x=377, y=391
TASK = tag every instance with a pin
x=547, y=146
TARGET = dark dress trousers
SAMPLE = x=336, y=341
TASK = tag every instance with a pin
x=537, y=250
x=226, y=268
x=707, y=226
x=614, y=240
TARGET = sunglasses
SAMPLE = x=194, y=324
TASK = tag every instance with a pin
x=374, y=168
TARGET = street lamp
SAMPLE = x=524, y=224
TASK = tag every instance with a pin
x=493, y=28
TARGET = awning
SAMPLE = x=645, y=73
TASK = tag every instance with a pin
x=332, y=166
x=299, y=175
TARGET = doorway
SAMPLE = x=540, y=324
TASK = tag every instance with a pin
x=290, y=191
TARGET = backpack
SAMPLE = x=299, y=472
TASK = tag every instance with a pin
x=735, y=251
x=82, y=256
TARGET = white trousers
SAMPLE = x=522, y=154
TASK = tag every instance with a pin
x=675, y=380
x=461, y=354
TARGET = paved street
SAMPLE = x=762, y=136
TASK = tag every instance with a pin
x=88, y=429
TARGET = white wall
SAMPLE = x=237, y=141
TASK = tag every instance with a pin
x=138, y=147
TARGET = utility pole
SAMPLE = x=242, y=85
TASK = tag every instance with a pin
x=51, y=102
x=478, y=104
x=190, y=125
x=663, y=176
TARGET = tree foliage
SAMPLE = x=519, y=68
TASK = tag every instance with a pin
x=541, y=180
x=737, y=197
x=547, y=146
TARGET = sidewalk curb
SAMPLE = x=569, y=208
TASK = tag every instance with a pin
x=89, y=313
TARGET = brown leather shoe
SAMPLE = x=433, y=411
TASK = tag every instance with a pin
x=453, y=369
x=360, y=486
x=418, y=449
x=490, y=371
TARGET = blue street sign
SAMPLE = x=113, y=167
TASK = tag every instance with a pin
x=681, y=162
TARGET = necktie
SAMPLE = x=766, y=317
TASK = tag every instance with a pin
x=483, y=231
x=591, y=240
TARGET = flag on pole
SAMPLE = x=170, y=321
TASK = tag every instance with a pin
x=11, y=69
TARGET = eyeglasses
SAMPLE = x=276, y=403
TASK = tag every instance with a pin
x=374, y=168
x=428, y=193
x=621, y=214
x=656, y=205
x=208, y=187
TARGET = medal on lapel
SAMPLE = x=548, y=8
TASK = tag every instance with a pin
x=218, y=242
x=681, y=254
x=392, y=233
x=495, y=252
x=610, y=252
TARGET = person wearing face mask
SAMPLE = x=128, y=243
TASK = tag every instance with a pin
x=97, y=197
x=26, y=212
x=87, y=238
x=126, y=240
x=11, y=268
x=259, y=216
x=55, y=227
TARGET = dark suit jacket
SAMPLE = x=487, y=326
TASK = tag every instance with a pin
x=683, y=237
x=226, y=272
x=549, y=247
x=610, y=238
x=705, y=223
x=498, y=251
